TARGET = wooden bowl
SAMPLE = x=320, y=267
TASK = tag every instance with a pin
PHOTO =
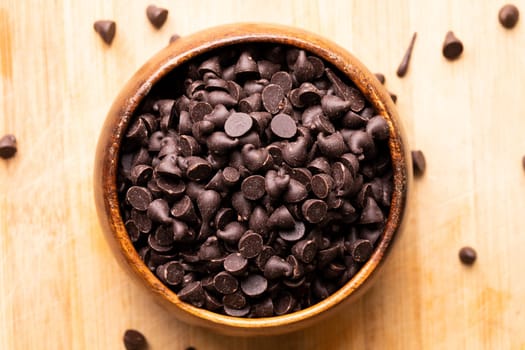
x=137, y=88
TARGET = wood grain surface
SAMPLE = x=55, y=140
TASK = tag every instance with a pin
x=60, y=287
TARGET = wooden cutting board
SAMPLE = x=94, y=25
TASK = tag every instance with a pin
x=60, y=288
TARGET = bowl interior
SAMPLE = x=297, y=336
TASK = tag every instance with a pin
x=149, y=78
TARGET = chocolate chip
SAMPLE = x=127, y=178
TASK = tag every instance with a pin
x=378, y=128
x=231, y=232
x=314, y=210
x=508, y=16
x=294, y=153
x=138, y=197
x=7, y=146
x=264, y=308
x=346, y=92
x=250, y=245
x=267, y=68
x=318, y=66
x=236, y=312
x=192, y=293
x=208, y=203
x=283, y=126
x=452, y=46
x=156, y=15
x=246, y=67
x=282, y=79
x=253, y=187
x=284, y=303
x=467, y=255
x=322, y=184
x=172, y=273
x=403, y=66
x=305, y=250
x=277, y=267
x=251, y=103
x=380, y=77
x=212, y=64
x=272, y=98
x=319, y=165
x=255, y=158
x=238, y=124
x=106, y=29
x=361, y=250
x=371, y=213
x=134, y=340
x=293, y=234
x=174, y=38
x=332, y=145
x=419, y=163
x=296, y=192
x=333, y=106
x=254, y=285
x=242, y=205
x=220, y=142
x=309, y=94
x=303, y=70
x=225, y=283
x=235, y=264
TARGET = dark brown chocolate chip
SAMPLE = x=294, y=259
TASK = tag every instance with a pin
x=156, y=15
x=106, y=29
x=318, y=66
x=303, y=70
x=235, y=264
x=236, y=312
x=251, y=103
x=380, y=77
x=198, y=169
x=294, y=153
x=172, y=273
x=508, y=16
x=134, y=340
x=250, y=244
x=294, y=98
x=255, y=158
x=284, y=303
x=332, y=146
x=281, y=218
x=283, y=126
x=212, y=64
x=309, y=94
x=174, y=38
x=403, y=66
x=238, y=124
x=141, y=219
x=254, y=285
x=360, y=142
x=259, y=220
x=419, y=163
x=246, y=67
x=225, y=283
x=467, y=255
x=296, y=192
x=132, y=230
x=267, y=69
x=305, y=250
x=314, y=210
x=208, y=203
x=199, y=110
x=333, y=106
x=282, y=79
x=220, y=142
x=223, y=217
x=361, y=250
x=209, y=249
x=277, y=267
x=371, y=213
x=138, y=197
x=272, y=98
x=322, y=185
x=378, y=128
x=189, y=146
x=232, y=232
x=253, y=187
x=346, y=92
x=319, y=165
x=7, y=146
x=452, y=46
x=192, y=293
x=264, y=308
x=293, y=234
x=242, y=205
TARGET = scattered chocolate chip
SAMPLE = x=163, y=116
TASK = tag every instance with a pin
x=7, y=146
x=134, y=340
x=508, y=16
x=452, y=46
x=174, y=38
x=106, y=29
x=380, y=77
x=403, y=66
x=467, y=255
x=418, y=162
x=156, y=15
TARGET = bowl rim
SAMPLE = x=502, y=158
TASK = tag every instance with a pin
x=187, y=48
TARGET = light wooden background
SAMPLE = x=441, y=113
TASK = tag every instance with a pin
x=60, y=288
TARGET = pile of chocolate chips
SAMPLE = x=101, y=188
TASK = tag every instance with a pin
x=255, y=181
